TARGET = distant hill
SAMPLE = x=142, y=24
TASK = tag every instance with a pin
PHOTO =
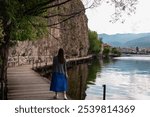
x=126, y=40
x=143, y=42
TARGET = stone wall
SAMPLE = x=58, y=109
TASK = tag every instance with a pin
x=71, y=35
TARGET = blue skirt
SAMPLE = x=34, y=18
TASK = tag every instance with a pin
x=58, y=82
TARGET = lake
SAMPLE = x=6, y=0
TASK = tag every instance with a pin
x=126, y=78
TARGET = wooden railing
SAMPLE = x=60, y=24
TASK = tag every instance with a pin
x=70, y=62
x=36, y=63
x=28, y=60
x=44, y=61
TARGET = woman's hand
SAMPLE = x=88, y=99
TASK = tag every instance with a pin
x=66, y=75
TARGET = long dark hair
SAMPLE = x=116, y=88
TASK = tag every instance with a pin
x=61, y=57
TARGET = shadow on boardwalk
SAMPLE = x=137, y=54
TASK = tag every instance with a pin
x=26, y=84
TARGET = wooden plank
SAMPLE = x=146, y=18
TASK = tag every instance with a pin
x=27, y=85
x=24, y=83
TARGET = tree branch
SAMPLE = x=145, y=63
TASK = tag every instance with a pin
x=28, y=11
x=69, y=17
x=60, y=28
x=43, y=6
x=55, y=5
x=53, y=36
x=59, y=14
x=63, y=20
x=64, y=15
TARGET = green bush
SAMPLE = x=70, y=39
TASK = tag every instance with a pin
x=115, y=52
x=95, y=43
x=106, y=52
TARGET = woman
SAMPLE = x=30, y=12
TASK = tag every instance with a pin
x=59, y=75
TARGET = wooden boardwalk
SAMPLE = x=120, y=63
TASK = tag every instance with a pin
x=26, y=84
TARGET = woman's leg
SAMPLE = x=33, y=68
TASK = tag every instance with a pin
x=56, y=95
x=65, y=96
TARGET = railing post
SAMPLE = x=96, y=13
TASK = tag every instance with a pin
x=36, y=62
x=18, y=60
x=28, y=59
x=46, y=62
x=104, y=92
x=40, y=62
x=3, y=89
x=33, y=63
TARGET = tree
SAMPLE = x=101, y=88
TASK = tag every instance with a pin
x=95, y=43
x=115, y=52
x=22, y=20
x=122, y=8
x=106, y=52
x=26, y=19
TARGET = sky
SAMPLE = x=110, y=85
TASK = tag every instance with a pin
x=99, y=17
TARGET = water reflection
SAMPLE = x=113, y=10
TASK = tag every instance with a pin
x=77, y=81
x=93, y=68
x=81, y=77
x=124, y=78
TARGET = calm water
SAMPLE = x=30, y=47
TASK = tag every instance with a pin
x=125, y=78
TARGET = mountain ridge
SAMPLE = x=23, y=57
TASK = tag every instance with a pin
x=126, y=39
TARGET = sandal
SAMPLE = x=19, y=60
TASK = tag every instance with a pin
x=55, y=97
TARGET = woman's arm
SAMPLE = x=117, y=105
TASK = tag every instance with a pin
x=65, y=69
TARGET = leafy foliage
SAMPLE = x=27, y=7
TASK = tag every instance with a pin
x=106, y=52
x=95, y=44
x=21, y=24
x=1, y=35
x=28, y=18
x=115, y=52
x=24, y=29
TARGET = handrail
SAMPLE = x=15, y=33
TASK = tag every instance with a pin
x=27, y=60
x=38, y=61
x=48, y=61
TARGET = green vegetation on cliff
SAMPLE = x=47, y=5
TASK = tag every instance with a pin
x=115, y=52
x=95, y=43
x=106, y=52
x=110, y=51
